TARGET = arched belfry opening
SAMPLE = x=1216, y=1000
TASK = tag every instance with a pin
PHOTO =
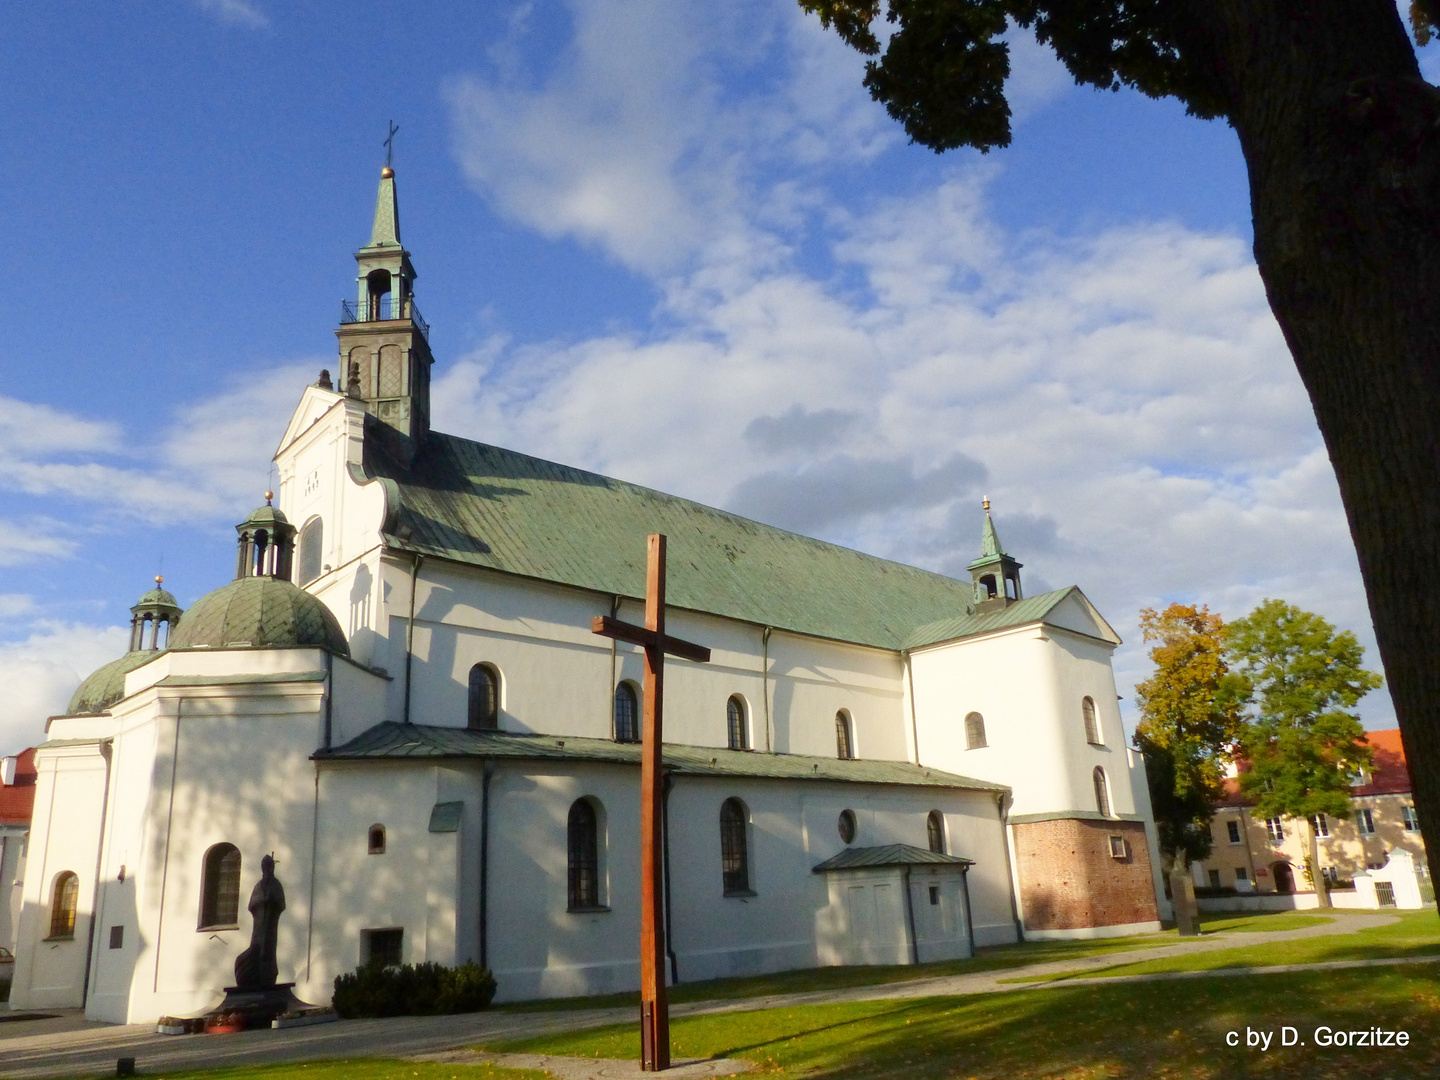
x=379, y=302
x=995, y=573
x=384, y=343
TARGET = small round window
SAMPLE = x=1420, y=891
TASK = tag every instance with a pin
x=847, y=826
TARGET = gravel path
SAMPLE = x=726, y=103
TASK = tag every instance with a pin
x=68, y=1045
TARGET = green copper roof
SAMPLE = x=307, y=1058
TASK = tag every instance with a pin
x=1017, y=613
x=425, y=744
x=266, y=515
x=496, y=508
x=386, y=230
x=263, y=612
x=156, y=598
x=990, y=545
x=106, y=685
x=889, y=855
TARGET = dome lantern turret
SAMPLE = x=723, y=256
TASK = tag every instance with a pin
x=156, y=609
x=267, y=543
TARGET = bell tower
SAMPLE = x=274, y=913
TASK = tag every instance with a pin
x=996, y=574
x=384, y=343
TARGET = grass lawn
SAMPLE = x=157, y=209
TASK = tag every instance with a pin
x=994, y=958
x=1416, y=933
x=1126, y=1031
x=353, y=1069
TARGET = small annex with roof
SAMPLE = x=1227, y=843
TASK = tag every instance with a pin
x=400, y=698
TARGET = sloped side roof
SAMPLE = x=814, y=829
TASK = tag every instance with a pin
x=1389, y=773
x=1030, y=609
x=395, y=741
x=507, y=511
x=17, y=800
x=889, y=855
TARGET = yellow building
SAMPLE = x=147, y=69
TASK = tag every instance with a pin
x=1267, y=855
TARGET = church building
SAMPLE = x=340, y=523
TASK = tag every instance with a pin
x=400, y=698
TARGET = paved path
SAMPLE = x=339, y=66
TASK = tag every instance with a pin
x=68, y=1045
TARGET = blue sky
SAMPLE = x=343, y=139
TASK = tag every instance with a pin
x=670, y=243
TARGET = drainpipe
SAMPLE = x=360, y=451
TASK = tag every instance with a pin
x=969, y=919
x=669, y=783
x=765, y=684
x=329, y=694
x=1249, y=854
x=410, y=632
x=107, y=752
x=910, y=919
x=1009, y=867
x=485, y=862
x=314, y=847
x=914, y=724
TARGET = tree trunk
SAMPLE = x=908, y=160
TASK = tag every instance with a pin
x=1342, y=148
x=1182, y=898
x=1317, y=879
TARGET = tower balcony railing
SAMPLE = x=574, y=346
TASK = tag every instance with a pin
x=382, y=309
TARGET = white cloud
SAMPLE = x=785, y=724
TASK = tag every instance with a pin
x=41, y=672
x=213, y=458
x=33, y=539
x=12, y=604
x=235, y=12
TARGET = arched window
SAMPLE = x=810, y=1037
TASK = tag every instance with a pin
x=64, y=896
x=220, y=887
x=734, y=847
x=484, y=698
x=844, y=741
x=311, y=542
x=935, y=831
x=847, y=825
x=987, y=587
x=627, y=714
x=582, y=845
x=974, y=731
x=1092, y=724
x=375, y=840
x=735, y=724
x=1102, y=792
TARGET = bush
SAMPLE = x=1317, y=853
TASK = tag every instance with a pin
x=412, y=990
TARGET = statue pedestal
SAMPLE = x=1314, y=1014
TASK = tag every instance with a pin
x=244, y=1009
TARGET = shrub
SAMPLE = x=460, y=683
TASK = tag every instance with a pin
x=412, y=990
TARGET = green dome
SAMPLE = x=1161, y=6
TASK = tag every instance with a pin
x=265, y=516
x=262, y=612
x=157, y=598
x=107, y=685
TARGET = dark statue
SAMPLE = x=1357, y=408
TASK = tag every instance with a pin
x=256, y=967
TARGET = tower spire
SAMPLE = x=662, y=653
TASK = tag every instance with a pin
x=995, y=573
x=384, y=343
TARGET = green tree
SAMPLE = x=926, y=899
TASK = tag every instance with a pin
x=1338, y=131
x=1189, y=725
x=1301, y=681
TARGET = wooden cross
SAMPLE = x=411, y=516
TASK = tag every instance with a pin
x=389, y=143
x=654, y=1008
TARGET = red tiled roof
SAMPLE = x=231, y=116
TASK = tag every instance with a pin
x=1389, y=775
x=17, y=799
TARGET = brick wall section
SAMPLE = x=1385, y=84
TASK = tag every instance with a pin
x=1069, y=880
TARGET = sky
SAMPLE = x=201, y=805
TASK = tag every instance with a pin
x=668, y=241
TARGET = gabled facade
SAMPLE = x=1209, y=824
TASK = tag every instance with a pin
x=401, y=697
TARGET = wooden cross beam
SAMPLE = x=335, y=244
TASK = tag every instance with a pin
x=654, y=1006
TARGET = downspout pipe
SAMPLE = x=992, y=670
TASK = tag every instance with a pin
x=1009, y=867
x=765, y=685
x=669, y=784
x=914, y=722
x=410, y=632
x=107, y=750
x=910, y=919
x=329, y=697
x=969, y=918
x=485, y=861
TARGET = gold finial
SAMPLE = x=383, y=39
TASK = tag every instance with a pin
x=159, y=579
x=985, y=502
x=387, y=173
x=268, y=496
